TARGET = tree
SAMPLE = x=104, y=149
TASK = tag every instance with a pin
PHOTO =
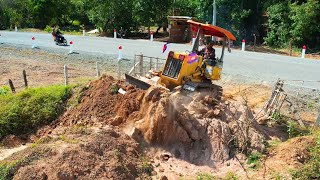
x=305, y=27
x=279, y=25
x=111, y=14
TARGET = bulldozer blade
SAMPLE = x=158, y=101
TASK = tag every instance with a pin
x=137, y=82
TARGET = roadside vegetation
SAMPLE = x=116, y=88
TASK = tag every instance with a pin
x=286, y=24
x=30, y=108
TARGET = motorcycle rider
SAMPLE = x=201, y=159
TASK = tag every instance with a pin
x=56, y=34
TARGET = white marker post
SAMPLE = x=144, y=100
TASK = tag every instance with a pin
x=83, y=31
x=15, y=28
x=71, y=47
x=151, y=36
x=193, y=39
x=34, y=45
x=119, y=59
x=303, y=54
x=243, y=45
x=120, y=52
x=114, y=33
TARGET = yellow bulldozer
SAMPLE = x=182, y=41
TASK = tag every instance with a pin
x=190, y=70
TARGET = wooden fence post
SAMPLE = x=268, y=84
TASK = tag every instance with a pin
x=141, y=65
x=97, y=69
x=13, y=90
x=25, y=79
x=65, y=67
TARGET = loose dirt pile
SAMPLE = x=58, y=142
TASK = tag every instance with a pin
x=190, y=126
x=81, y=153
x=100, y=103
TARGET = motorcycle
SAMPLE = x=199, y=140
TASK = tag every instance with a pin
x=60, y=40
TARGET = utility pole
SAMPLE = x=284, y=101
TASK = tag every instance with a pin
x=214, y=17
x=214, y=13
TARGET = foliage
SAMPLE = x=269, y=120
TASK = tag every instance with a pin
x=48, y=29
x=111, y=14
x=21, y=112
x=231, y=176
x=204, y=176
x=277, y=22
x=254, y=159
x=311, y=169
x=5, y=170
x=279, y=25
x=4, y=90
x=294, y=21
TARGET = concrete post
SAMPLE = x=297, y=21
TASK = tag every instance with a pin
x=243, y=45
x=151, y=36
x=119, y=52
x=114, y=33
x=71, y=47
x=15, y=28
x=303, y=54
x=34, y=45
x=83, y=32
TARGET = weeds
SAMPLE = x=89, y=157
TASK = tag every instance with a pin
x=146, y=166
x=42, y=140
x=231, y=176
x=205, y=176
x=67, y=140
x=5, y=170
x=254, y=160
x=4, y=90
x=19, y=113
x=113, y=89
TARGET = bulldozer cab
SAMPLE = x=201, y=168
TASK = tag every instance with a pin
x=182, y=67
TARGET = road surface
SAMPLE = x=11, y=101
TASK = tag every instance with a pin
x=254, y=66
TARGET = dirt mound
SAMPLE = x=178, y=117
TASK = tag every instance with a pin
x=82, y=153
x=294, y=153
x=11, y=141
x=191, y=126
x=99, y=102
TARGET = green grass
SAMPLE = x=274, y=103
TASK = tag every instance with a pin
x=254, y=160
x=4, y=90
x=24, y=111
x=205, y=176
x=5, y=170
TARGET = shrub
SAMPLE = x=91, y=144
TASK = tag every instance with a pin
x=4, y=90
x=31, y=108
x=48, y=29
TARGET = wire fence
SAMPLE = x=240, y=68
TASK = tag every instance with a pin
x=295, y=100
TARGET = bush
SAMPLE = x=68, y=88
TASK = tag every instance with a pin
x=19, y=113
x=48, y=29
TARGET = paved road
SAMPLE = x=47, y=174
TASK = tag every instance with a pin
x=255, y=66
